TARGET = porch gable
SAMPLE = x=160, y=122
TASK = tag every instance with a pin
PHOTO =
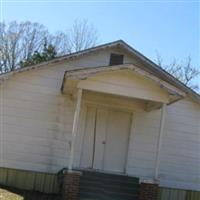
x=122, y=80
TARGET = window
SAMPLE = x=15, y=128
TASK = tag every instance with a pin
x=116, y=59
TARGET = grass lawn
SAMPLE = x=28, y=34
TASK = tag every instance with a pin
x=7, y=193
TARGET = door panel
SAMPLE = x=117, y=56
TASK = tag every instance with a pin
x=100, y=140
x=88, y=141
x=118, y=129
x=79, y=137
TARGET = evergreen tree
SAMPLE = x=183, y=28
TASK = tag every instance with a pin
x=47, y=54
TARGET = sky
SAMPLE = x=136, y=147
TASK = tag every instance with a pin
x=168, y=28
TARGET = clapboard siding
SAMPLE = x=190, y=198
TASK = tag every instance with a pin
x=143, y=141
x=102, y=58
x=180, y=161
x=124, y=83
x=180, y=156
x=37, y=118
x=37, y=122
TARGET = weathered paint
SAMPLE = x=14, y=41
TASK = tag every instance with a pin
x=125, y=83
x=29, y=180
x=75, y=128
x=37, y=126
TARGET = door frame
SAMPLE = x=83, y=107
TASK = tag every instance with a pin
x=85, y=104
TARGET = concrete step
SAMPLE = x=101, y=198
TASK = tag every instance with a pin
x=110, y=189
x=107, y=196
x=110, y=176
x=93, y=185
x=102, y=186
x=106, y=181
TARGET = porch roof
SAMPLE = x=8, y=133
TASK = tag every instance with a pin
x=161, y=91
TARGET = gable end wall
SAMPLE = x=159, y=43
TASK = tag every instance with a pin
x=37, y=121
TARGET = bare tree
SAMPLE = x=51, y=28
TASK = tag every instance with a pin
x=60, y=41
x=183, y=71
x=81, y=36
x=20, y=41
x=33, y=38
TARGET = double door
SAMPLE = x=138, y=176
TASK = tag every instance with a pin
x=105, y=139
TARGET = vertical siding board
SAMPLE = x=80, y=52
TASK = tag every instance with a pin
x=3, y=176
x=55, y=185
x=48, y=187
x=166, y=194
x=172, y=194
x=192, y=195
x=181, y=194
x=39, y=182
x=20, y=179
x=11, y=177
x=28, y=180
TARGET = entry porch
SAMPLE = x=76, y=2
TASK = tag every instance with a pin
x=119, y=119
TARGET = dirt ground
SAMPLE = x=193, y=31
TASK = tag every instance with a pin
x=15, y=194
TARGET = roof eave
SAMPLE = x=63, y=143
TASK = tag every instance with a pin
x=154, y=67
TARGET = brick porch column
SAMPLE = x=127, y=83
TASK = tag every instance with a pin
x=148, y=191
x=71, y=185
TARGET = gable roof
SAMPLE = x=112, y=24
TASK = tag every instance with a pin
x=73, y=76
x=148, y=66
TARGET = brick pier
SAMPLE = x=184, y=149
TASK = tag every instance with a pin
x=148, y=191
x=71, y=184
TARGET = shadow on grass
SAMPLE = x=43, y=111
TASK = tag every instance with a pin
x=8, y=193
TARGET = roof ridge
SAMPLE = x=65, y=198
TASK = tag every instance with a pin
x=153, y=67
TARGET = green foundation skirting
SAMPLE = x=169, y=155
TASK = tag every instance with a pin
x=28, y=180
x=176, y=194
x=48, y=183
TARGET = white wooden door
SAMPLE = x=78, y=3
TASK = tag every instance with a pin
x=87, y=152
x=115, y=153
x=106, y=138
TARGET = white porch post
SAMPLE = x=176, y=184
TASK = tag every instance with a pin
x=75, y=128
x=159, y=143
